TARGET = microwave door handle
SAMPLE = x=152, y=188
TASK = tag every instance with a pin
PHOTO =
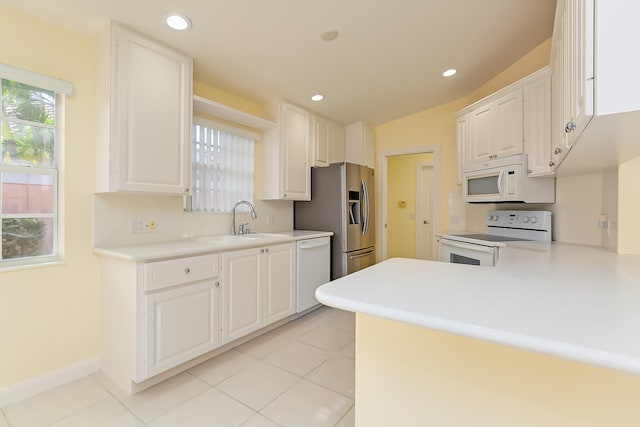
x=500, y=176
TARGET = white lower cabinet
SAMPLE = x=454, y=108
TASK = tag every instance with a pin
x=156, y=316
x=181, y=324
x=258, y=289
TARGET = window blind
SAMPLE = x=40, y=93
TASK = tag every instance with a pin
x=222, y=168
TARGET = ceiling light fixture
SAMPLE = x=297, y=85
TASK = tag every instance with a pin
x=178, y=22
x=317, y=97
x=450, y=72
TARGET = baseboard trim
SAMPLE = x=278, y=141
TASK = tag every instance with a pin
x=17, y=392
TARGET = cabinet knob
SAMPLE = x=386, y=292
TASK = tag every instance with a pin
x=552, y=164
x=217, y=284
x=187, y=270
x=267, y=250
x=262, y=250
x=570, y=127
x=557, y=151
x=528, y=171
x=186, y=190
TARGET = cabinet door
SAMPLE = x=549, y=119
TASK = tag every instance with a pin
x=152, y=115
x=279, y=282
x=181, y=323
x=369, y=147
x=558, y=101
x=537, y=125
x=462, y=141
x=241, y=293
x=295, y=140
x=509, y=134
x=481, y=134
x=320, y=142
x=579, y=46
x=336, y=143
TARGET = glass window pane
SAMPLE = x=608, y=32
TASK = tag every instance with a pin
x=27, y=193
x=30, y=103
x=27, y=237
x=27, y=145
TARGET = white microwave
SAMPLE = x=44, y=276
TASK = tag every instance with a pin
x=505, y=180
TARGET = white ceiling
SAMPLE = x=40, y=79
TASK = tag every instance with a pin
x=386, y=62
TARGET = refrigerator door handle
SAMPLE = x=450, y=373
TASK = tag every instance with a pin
x=364, y=254
x=365, y=221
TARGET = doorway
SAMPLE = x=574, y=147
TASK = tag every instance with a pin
x=408, y=202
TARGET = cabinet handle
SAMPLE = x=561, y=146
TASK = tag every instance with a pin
x=217, y=284
x=552, y=164
x=570, y=127
x=187, y=270
x=557, y=151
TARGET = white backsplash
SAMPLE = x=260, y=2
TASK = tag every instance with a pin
x=112, y=212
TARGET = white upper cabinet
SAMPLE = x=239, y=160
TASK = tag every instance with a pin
x=572, y=62
x=496, y=129
x=336, y=142
x=595, y=85
x=514, y=120
x=144, y=92
x=286, y=169
x=537, y=124
x=328, y=142
x=359, y=146
x=462, y=140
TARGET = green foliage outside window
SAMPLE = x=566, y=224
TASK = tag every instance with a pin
x=22, y=237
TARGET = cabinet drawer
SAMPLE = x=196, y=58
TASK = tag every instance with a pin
x=163, y=274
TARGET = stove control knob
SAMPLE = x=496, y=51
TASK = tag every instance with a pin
x=526, y=219
x=534, y=220
x=496, y=217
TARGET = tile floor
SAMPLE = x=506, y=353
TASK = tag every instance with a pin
x=299, y=375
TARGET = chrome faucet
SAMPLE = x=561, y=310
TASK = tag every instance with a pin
x=233, y=223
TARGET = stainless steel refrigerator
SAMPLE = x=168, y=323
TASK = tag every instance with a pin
x=342, y=201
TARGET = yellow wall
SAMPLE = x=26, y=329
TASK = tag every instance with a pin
x=49, y=316
x=412, y=376
x=629, y=207
x=401, y=186
x=435, y=126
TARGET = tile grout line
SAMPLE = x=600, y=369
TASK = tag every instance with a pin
x=345, y=414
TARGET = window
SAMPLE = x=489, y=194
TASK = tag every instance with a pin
x=222, y=161
x=29, y=134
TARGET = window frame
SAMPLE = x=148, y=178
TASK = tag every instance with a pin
x=60, y=89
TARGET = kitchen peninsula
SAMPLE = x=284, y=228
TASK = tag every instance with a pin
x=547, y=337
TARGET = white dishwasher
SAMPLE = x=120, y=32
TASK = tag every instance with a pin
x=314, y=258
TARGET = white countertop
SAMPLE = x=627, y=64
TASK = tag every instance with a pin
x=204, y=244
x=571, y=301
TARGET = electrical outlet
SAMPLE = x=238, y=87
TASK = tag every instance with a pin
x=402, y=204
x=142, y=226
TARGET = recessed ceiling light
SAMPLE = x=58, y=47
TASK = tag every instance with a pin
x=317, y=97
x=178, y=22
x=329, y=35
x=450, y=72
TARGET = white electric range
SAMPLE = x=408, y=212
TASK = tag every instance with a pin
x=502, y=226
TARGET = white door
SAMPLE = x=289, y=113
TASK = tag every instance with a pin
x=279, y=290
x=424, y=211
x=241, y=293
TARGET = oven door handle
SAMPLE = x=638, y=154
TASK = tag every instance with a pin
x=468, y=246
